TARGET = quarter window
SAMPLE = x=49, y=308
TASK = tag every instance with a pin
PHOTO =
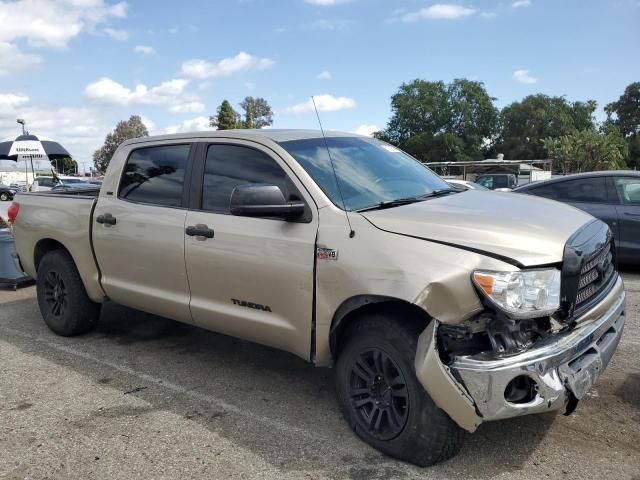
x=229, y=166
x=155, y=175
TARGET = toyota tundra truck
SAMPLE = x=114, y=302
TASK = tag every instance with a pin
x=438, y=309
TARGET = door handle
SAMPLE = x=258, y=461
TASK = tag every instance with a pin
x=199, y=230
x=106, y=219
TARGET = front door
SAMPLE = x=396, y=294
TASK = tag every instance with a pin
x=251, y=277
x=138, y=233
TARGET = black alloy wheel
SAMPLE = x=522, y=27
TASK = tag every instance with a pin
x=379, y=394
x=55, y=293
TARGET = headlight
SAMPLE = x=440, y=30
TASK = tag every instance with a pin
x=521, y=294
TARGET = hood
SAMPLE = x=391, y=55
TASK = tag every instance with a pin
x=521, y=229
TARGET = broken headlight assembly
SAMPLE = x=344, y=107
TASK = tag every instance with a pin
x=523, y=293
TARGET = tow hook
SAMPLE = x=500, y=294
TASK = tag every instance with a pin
x=572, y=404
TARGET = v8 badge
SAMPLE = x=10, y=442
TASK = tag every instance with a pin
x=326, y=254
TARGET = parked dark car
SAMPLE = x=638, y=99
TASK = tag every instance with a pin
x=493, y=181
x=613, y=197
x=6, y=193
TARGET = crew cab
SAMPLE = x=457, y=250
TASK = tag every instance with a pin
x=438, y=309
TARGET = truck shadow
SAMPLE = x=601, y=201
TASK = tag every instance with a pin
x=275, y=404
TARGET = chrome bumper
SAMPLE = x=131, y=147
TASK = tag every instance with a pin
x=566, y=364
x=472, y=389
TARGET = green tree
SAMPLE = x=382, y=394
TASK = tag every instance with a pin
x=435, y=121
x=65, y=165
x=257, y=113
x=226, y=117
x=524, y=124
x=588, y=150
x=625, y=114
x=126, y=129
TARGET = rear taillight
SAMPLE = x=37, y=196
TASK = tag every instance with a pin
x=12, y=212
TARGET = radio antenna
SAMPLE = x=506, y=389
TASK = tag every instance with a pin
x=352, y=233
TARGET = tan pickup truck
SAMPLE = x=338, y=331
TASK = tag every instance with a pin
x=438, y=309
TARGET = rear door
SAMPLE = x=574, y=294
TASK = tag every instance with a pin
x=628, y=190
x=254, y=278
x=138, y=232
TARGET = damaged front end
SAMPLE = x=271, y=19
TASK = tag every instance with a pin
x=494, y=366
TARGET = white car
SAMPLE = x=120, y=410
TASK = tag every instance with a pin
x=44, y=184
x=465, y=185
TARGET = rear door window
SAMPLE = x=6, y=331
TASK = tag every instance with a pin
x=155, y=175
x=590, y=190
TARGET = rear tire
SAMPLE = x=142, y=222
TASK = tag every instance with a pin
x=62, y=298
x=376, y=364
x=4, y=197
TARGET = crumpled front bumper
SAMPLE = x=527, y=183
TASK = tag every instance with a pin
x=565, y=365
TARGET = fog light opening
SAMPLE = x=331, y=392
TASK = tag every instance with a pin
x=521, y=389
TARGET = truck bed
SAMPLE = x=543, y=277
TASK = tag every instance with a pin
x=64, y=217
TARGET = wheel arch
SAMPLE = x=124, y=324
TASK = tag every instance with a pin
x=357, y=306
x=45, y=246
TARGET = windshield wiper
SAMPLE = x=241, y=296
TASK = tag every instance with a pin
x=439, y=192
x=408, y=200
x=391, y=203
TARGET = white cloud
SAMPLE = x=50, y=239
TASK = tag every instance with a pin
x=524, y=76
x=249, y=85
x=325, y=103
x=189, y=107
x=171, y=93
x=197, y=68
x=48, y=24
x=196, y=124
x=488, y=15
x=144, y=49
x=11, y=100
x=44, y=23
x=366, y=130
x=521, y=3
x=12, y=60
x=325, y=75
x=119, y=35
x=439, y=11
x=326, y=3
x=150, y=124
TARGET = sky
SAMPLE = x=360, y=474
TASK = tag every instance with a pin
x=73, y=68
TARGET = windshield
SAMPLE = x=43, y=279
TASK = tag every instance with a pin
x=369, y=171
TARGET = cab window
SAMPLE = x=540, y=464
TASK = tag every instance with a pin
x=486, y=182
x=229, y=166
x=155, y=175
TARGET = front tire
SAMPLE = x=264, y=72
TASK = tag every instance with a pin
x=62, y=298
x=381, y=397
x=4, y=197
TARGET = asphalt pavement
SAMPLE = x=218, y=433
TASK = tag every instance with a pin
x=146, y=397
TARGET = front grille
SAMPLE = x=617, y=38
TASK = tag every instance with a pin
x=595, y=274
x=588, y=269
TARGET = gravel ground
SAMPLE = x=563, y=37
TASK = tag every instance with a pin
x=145, y=397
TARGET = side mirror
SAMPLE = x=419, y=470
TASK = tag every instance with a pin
x=263, y=201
